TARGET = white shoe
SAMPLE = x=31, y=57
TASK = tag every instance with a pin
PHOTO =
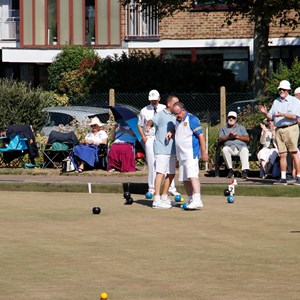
x=195, y=204
x=162, y=204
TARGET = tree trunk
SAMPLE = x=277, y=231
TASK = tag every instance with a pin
x=261, y=54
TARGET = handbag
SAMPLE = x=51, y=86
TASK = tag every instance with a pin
x=67, y=165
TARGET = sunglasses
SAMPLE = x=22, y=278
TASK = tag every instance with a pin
x=232, y=117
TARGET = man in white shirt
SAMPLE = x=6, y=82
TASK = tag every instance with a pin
x=147, y=114
x=190, y=147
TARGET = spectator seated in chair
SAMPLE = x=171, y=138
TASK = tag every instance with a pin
x=269, y=153
x=86, y=153
x=235, y=139
x=121, y=155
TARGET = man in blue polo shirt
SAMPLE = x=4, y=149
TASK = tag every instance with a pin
x=190, y=147
x=285, y=112
x=164, y=151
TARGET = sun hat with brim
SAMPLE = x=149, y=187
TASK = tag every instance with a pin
x=297, y=90
x=285, y=85
x=96, y=121
x=232, y=114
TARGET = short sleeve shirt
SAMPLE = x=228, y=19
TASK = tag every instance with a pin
x=147, y=114
x=239, y=130
x=98, y=138
x=163, y=121
x=124, y=137
x=186, y=138
x=290, y=105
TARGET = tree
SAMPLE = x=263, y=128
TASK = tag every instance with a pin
x=291, y=74
x=262, y=13
x=72, y=70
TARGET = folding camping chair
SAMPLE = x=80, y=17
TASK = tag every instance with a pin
x=13, y=152
x=19, y=141
x=58, y=147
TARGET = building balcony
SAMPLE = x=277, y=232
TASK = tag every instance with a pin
x=141, y=23
x=10, y=26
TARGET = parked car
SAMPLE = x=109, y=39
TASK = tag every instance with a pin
x=64, y=115
x=239, y=106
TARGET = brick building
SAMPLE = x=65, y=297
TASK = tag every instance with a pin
x=32, y=32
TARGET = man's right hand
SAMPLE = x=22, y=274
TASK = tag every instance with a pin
x=263, y=109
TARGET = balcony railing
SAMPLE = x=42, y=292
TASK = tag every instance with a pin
x=9, y=25
x=141, y=22
x=9, y=30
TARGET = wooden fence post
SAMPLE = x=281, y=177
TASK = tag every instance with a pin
x=111, y=102
x=223, y=116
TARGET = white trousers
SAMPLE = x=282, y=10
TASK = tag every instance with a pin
x=243, y=154
x=150, y=161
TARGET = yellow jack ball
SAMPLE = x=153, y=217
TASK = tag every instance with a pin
x=182, y=199
x=103, y=296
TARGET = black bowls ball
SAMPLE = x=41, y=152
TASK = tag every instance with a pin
x=128, y=201
x=226, y=193
x=96, y=210
x=127, y=195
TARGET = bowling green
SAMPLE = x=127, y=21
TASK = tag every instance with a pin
x=53, y=247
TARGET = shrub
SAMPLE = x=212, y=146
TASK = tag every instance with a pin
x=21, y=104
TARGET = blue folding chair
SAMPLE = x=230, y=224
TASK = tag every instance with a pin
x=13, y=152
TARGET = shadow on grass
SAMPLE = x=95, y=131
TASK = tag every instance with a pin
x=144, y=202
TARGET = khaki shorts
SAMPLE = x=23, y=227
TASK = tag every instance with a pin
x=188, y=169
x=287, y=138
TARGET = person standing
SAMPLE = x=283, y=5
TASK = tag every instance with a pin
x=164, y=151
x=235, y=138
x=297, y=93
x=146, y=114
x=190, y=147
x=285, y=112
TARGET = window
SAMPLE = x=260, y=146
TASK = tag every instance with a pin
x=141, y=21
x=284, y=54
x=90, y=22
x=234, y=59
x=52, y=22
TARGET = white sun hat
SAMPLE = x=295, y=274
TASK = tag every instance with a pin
x=284, y=84
x=96, y=121
x=297, y=90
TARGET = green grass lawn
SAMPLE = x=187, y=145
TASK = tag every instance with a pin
x=53, y=247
